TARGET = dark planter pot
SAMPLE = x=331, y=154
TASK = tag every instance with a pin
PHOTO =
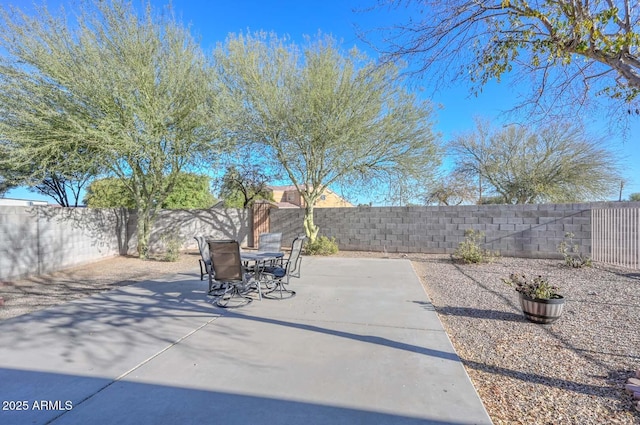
x=541, y=311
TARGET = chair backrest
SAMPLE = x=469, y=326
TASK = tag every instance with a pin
x=295, y=258
x=204, y=248
x=226, y=261
x=270, y=242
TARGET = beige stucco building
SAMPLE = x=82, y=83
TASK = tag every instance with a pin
x=289, y=197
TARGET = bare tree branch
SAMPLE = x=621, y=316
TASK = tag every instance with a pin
x=479, y=41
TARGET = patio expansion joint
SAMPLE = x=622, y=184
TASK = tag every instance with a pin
x=139, y=365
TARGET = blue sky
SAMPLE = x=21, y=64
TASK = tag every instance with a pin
x=213, y=20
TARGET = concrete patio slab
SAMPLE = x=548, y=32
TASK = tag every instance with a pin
x=360, y=343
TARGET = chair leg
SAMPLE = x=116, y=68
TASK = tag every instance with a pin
x=259, y=290
x=282, y=291
x=202, y=269
x=232, y=291
x=215, y=288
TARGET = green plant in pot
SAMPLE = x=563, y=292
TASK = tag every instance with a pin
x=540, y=300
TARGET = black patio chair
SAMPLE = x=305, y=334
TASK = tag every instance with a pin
x=278, y=276
x=205, y=260
x=228, y=280
x=269, y=242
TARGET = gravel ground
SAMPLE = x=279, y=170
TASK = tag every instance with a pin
x=570, y=372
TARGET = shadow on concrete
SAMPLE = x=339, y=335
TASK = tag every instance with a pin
x=135, y=318
x=72, y=399
x=129, y=317
x=371, y=339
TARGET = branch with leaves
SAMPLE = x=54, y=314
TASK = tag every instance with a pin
x=570, y=50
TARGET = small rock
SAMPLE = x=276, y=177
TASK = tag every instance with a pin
x=638, y=406
x=633, y=381
x=592, y=293
x=636, y=395
x=638, y=373
x=632, y=388
x=1, y=301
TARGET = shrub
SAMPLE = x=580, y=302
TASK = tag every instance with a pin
x=321, y=246
x=470, y=251
x=537, y=287
x=172, y=246
x=571, y=253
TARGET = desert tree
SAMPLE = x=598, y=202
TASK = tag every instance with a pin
x=190, y=191
x=326, y=117
x=555, y=163
x=63, y=182
x=568, y=50
x=65, y=188
x=129, y=89
x=243, y=184
x=452, y=188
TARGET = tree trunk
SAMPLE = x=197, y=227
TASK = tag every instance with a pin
x=143, y=231
x=310, y=229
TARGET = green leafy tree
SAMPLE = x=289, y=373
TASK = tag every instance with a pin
x=131, y=91
x=567, y=49
x=190, y=191
x=634, y=197
x=324, y=117
x=109, y=192
x=556, y=163
x=244, y=184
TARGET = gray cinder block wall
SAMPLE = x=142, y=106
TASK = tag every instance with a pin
x=218, y=223
x=36, y=240
x=532, y=231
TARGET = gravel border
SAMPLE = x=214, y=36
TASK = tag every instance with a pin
x=570, y=372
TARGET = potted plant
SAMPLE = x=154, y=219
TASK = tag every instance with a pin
x=540, y=301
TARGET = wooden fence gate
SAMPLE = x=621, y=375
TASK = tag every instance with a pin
x=615, y=236
x=261, y=222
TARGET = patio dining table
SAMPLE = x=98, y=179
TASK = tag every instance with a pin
x=260, y=260
x=261, y=256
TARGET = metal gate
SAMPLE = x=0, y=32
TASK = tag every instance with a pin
x=261, y=222
x=615, y=236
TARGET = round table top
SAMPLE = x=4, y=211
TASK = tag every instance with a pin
x=260, y=256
